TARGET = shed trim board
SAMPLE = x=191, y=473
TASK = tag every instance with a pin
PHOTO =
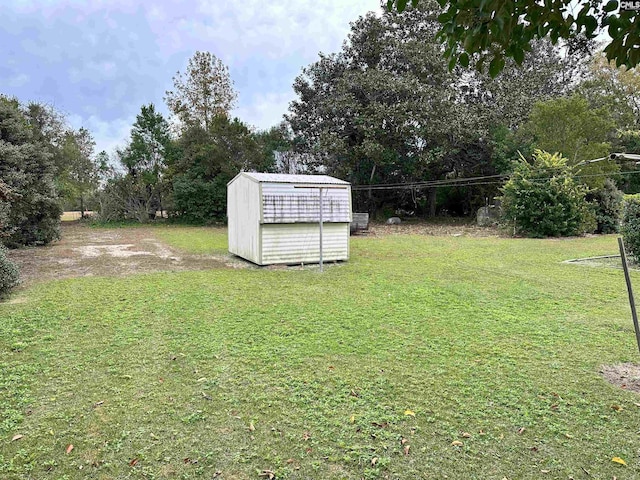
x=261, y=222
x=274, y=218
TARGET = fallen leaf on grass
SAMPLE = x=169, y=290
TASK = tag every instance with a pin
x=133, y=462
x=617, y=408
x=268, y=474
x=374, y=460
x=97, y=404
x=352, y=419
x=456, y=443
x=466, y=435
x=291, y=460
x=568, y=436
x=354, y=393
x=521, y=430
x=69, y=448
x=410, y=413
x=545, y=471
x=16, y=437
x=306, y=436
x=380, y=425
x=618, y=460
x=206, y=397
x=406, y=449
x=403, y=441
x=252, y=428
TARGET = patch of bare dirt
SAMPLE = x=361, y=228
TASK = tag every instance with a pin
x=623, y=375
x=450, y=227
x=84, y=251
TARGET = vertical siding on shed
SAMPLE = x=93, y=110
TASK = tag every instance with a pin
x=299, y=242
x=243, y=214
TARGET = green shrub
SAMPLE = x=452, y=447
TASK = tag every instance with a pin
x=541, y=199
x=9, y=275
x=200, y=201
x=631, y=225
x=608, y=207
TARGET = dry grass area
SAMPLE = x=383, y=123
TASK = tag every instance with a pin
x=459, y=227
x=84, y=251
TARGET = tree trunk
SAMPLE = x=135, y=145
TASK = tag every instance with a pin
x=81, y=206
x=432, y=202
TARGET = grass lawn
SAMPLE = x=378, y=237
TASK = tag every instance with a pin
x=370, y=370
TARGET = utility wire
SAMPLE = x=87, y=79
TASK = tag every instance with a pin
x=472, y=181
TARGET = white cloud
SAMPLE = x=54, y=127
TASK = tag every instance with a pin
x=265, y=110
x=101, y=60
x=108, y=135
x=18, y=80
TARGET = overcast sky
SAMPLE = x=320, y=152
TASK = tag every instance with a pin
x=98, y=61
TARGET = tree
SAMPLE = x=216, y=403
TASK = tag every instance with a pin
x=507, y=100
x=148, y=154
x=541, y=199
x=278, y=147
x=207, y=160
x=78, y=174
x=580, y=133
x=615, y=89
x=498, y=29
x=385, y=109
x=203, y=92
x=27, y=170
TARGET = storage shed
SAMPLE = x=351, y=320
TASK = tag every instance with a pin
x=275, y=218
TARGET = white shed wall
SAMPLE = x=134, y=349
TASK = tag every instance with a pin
x=299, y=242
x=284, y=203
x=243, y=214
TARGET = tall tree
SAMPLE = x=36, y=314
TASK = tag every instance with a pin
x=207, y=160
x=570, y=127
x=27, y=170
x=149, y=152
x=203, y=92
x=77, y=174
x=615, y=88
x=385, y=110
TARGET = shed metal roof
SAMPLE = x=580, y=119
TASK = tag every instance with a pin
x=285, y=178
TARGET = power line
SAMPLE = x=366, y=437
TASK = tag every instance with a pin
x=473, y=181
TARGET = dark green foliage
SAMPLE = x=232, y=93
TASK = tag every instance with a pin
x=569, y=126
x=200, y=201
x=28, y=169
x=492, y=31
x=206, y=161
x=541, y=199
x=631, y=226
x=9, y=275
x=608, y=207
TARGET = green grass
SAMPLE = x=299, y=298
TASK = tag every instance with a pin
x=309, y=375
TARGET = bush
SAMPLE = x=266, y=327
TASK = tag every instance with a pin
x=608, y=207
x=631, y=225
x=9, y=275
x=200, y=201
x=541, y=199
